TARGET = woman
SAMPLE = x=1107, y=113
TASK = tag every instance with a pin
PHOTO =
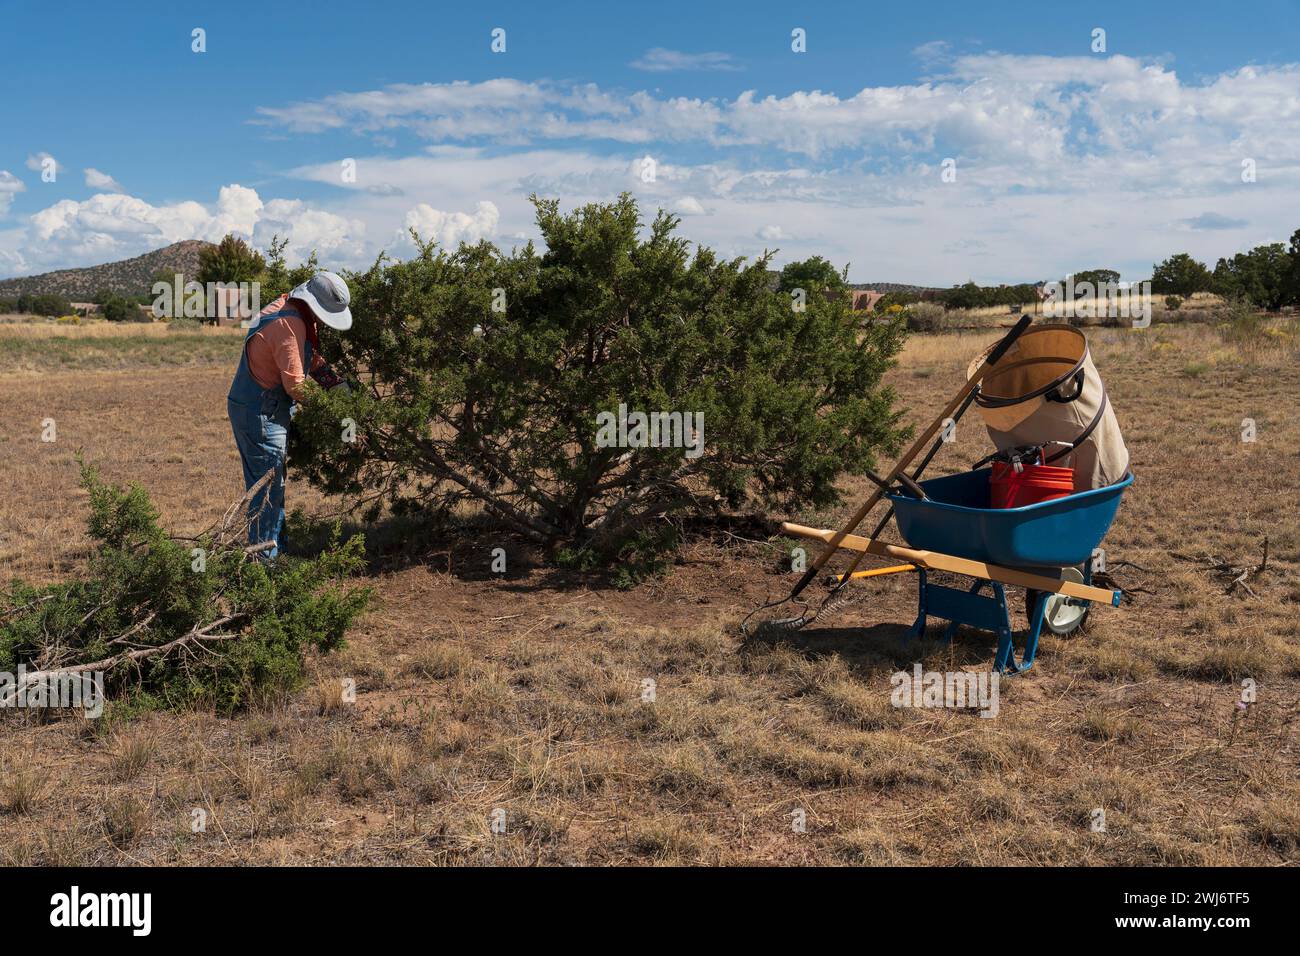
x=280, y=351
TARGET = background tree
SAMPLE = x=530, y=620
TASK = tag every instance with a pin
x=45, y=304
x=1098, y=277
x=118, y=308
x=459, y=401
x=1291, y=291
x=277, y=277
x=231, y=260
x=1181, y=275
x=813, y=275
x=1262, y=276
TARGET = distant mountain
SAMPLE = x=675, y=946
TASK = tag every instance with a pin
x=774, y=279
x=127, y=277
x=893, y=287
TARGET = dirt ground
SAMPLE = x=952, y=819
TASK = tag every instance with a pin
x=523, y=700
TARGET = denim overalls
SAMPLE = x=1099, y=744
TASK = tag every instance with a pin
x=259, y=417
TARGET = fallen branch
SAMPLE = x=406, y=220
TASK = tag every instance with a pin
x=154, y=622
x=138, y=654
x=1234, y=576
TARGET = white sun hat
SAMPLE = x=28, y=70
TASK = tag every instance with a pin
x=326, y=294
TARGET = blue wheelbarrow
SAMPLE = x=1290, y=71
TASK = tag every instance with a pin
x=1054, y=539
x=1047, y=548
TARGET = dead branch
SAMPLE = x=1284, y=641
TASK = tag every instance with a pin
x=1234, y=576
x=195, y=638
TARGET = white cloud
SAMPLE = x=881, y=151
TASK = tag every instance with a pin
x=932, y=53
x=338, y=239
x=449, y=229
x=1063, y=163
x=659, y=60
x=110, y=226
x=10, y=186
x=97, y=180
x=38, y=162
x=1042, y=115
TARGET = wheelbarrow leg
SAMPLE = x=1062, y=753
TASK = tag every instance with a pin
x=918, y=627
x=951, y=630
x=1031, y=640
x=1006, y=656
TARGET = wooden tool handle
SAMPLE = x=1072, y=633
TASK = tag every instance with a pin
x=960, y=400
x=934, y=560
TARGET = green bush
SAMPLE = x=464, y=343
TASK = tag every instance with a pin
x=1181, y=275
x=1265, y=276
x=1173, y=303
x=121, y=309
x=45, y=304
x=481, y=376
x=927, y=317
x=168, y=631
x=1238, y=321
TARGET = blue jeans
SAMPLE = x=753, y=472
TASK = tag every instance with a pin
x=262, y=437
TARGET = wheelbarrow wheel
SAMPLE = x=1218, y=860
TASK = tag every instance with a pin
x=1064, y=615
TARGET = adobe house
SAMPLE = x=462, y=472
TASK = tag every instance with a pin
x=864, y=300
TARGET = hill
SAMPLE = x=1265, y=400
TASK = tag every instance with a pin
x=126, y=277
x=894, y=287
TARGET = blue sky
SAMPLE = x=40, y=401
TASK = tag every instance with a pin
x=1065, y=158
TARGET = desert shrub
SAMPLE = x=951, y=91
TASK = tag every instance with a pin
x=1173, y=303
x=463, y=401
x=51, y=306
x=927, y=317
x=167, y=631
x=121, y=309
x=902, y=298
x=1238, y=322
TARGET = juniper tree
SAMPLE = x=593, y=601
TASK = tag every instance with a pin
x=171, y=621
x=482, y=374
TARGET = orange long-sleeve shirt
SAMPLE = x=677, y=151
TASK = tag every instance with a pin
x=277, y=349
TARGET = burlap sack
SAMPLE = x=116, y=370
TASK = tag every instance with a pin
x=1047, y=389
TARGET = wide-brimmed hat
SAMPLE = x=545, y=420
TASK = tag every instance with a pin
x=326, y=294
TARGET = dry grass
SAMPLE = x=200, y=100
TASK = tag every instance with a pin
x=37, y=347
x=511, y=723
